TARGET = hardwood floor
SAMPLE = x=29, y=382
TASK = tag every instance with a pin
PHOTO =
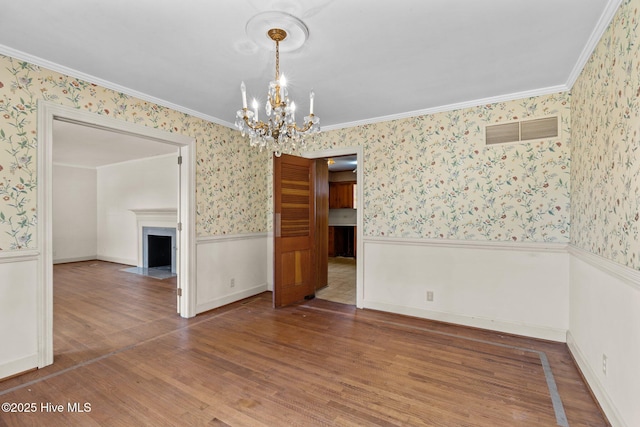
x=121, y=348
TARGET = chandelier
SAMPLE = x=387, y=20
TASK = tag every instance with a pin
x=279, y=131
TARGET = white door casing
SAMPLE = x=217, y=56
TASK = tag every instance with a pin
x=47, y=113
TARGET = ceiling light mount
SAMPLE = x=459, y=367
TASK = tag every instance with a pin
x=277, y=34
x=296, y=31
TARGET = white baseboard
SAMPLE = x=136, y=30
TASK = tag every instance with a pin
x=596, y=386
x=17, y=366
x=228, y=299
x=75, y=259
x=133, y=262
x=533, y=331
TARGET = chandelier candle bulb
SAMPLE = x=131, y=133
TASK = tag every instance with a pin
x=243, y=89
x=283, y=85
x=293, y=111
x=255, y=108
x=311, y=96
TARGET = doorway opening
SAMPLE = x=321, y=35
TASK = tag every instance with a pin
x=185, y=238
x=344, y=226
x=342, y=230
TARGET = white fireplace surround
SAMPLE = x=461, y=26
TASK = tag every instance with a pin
x=154, y=218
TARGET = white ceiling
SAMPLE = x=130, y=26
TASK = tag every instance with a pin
x=365, y=60
x=343, y=163
x=89, y=147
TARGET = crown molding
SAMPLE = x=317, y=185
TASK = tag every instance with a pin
x=7, y=51
x=603, y=23
x=451, y=107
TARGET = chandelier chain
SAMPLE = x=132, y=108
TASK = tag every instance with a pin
x=277, y=60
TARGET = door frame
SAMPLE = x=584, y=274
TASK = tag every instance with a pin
x=47, y=113
x=347, y=151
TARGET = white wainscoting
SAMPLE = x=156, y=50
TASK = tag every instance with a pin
x=219, y=259
x=605, y=320
x=18, y=312
x=519, y=288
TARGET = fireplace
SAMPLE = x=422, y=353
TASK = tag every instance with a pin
x=159, y=248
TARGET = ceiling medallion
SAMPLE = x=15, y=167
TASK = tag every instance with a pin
x=279, y=131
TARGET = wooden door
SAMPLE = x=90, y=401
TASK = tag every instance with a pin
x=294, y=229
x=322, y=223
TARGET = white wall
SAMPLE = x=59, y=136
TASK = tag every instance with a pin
x=18, y=313
x=605, y=320
x=242, y=257
x=141, y=184
x=74, y=206
x=515, y=288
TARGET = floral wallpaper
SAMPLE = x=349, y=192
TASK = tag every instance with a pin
x=424, y=177
x=433, y=177
x=605, y=154
x=231, y=192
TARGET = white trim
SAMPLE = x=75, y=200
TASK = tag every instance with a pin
x=359, y=152
x=44, y=287
x=47, y=112
x=117, y=260
x=536, y=331
x=35, y=60
x=595, y=385
x=230, y=237
x=546, y=247
x=626, y=274
x=228, y=299
x=451, y=107
x=18, y=256
x=157, y=214
x=76, y=259
x=606, y=17
x=16, y=367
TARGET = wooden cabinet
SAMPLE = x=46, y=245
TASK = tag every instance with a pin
x=341, y=195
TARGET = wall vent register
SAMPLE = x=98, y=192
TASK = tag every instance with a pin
x=524, y=130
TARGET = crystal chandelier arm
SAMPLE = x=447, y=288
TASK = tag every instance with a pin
x=305, y=128
x=257, y=125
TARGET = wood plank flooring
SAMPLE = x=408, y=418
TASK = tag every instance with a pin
x=121, y=348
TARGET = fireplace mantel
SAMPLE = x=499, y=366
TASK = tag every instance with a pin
x=157, y=214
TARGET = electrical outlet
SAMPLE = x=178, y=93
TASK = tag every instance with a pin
x=604, y=364
x=232, y=284
x=430, y=296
